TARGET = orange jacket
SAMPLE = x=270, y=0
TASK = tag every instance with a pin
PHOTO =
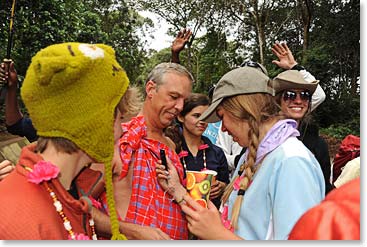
x=27, y=210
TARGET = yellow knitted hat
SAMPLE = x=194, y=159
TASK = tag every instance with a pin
x=71, y=90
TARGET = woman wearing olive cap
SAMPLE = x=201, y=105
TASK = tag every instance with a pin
x=280, y=179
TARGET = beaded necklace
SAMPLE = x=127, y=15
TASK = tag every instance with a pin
x=184, y=153
x=43, y=172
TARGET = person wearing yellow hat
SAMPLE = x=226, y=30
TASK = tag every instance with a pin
x=71, y=91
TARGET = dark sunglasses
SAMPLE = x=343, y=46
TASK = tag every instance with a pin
x=253, y=65
x=290, y=95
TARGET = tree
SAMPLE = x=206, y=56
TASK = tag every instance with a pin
x=334, y=57
x=44, y=22
x=305, y=8
x=181, y=14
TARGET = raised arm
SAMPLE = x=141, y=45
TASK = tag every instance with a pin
x=16, y=123
x=9, y=75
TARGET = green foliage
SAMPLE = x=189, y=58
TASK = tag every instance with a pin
x=41, y=23
x=155, y=58
x=340, y=131
x=211, y=62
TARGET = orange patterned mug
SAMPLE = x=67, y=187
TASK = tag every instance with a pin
x=198, y=184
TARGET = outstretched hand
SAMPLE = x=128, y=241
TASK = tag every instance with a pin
x=284, y=54
x=180, y=41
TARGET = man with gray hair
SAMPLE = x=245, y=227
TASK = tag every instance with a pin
x=139, y=197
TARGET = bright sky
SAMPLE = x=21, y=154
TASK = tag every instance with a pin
x=161, y=39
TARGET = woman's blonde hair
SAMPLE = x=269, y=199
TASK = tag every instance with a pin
x=131, y=103
x=256, y=109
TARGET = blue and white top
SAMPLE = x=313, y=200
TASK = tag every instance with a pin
x=212, y=131
x=288, y=182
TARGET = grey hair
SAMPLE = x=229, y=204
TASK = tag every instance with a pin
x=161, y=69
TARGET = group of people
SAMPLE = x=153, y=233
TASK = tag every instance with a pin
x=95, y=171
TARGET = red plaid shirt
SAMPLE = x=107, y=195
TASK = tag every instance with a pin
x=149, y=205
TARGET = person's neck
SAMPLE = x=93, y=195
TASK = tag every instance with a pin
x=69, y=164
x=193, y=142
x=266, y=126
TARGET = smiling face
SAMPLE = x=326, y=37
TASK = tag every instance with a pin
x=167, y=99
x=237, y=128
x=294, y=107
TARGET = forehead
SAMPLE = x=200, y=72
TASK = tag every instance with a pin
x=175, y=76
x=177, y=83
x=199, y=108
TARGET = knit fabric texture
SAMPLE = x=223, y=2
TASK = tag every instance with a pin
x=71, y=90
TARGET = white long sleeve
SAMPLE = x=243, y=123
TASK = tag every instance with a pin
x=319, y=95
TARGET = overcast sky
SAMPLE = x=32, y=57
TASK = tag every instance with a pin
x=161, y=39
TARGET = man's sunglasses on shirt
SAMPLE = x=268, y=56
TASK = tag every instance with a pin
x=291, y=95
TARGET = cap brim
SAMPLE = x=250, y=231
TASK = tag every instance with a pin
x=210, y=115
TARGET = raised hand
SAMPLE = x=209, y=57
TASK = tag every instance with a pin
x=181, y=39
x=179, y=43
x=284, y=54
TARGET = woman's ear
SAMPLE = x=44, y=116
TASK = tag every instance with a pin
x=150, y=87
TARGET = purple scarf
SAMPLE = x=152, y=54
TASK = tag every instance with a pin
x=281, y=131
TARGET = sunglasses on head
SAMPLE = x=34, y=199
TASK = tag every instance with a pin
x=253, y=65
x=291, y=95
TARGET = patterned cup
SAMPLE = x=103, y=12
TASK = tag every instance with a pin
x=198, y=185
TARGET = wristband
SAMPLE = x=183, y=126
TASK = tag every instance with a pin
x=297, y=67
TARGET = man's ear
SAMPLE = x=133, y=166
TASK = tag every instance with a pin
x=180, y=118
x=150, y=87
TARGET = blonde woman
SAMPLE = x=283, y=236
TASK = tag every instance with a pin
x=280, y=178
